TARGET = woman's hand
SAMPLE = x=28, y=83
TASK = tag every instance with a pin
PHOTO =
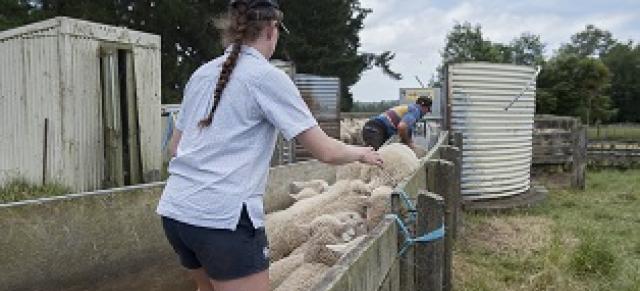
x=370, y=156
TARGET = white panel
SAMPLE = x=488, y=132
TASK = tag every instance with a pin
x=29, y=95
x=497, y=142
x=147, y=79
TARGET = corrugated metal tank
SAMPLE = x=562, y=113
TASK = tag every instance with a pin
x=50, y=71
x=497, y=143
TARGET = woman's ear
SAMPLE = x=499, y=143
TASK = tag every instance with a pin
x=271, y=30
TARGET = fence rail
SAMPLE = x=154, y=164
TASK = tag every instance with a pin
x=614, y=153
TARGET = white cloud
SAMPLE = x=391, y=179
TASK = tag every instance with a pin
x=416, y=30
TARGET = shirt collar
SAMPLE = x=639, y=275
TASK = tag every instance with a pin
x=248, y=50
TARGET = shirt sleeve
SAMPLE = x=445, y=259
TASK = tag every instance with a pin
x=281, y=104
x=412, y=115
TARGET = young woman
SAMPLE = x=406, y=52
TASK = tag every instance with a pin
x=212, y=205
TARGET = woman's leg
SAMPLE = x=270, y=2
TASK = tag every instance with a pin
x=254, y=282
x=202, y=279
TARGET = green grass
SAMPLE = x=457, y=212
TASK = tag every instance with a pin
x=622, y=132
x=19, y=190
x=584, y=240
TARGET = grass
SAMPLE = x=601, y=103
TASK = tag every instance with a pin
x=621, y=132
x=576, y=240
x=19, y=190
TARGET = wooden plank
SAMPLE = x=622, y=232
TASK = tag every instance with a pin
x=112, y=122
x=406, y=263
x=147, y=79
x=368, y=265
x=429, y=259
x=135, y=171
x=550, y=161
x=449, y=187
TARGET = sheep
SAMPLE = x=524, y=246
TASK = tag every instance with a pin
x=378, y=205
x=354, y=224
x=304, y=194
x=316, y=250
x=278, y=271
x=399, y=162
x=317, y=185
x=283, y=227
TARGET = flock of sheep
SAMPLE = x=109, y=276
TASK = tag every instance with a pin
x=327, y=221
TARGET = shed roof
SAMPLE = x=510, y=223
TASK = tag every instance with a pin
x=86, y=29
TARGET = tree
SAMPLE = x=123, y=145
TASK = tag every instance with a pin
x=575, y=86
x=592, y=41
x=623, y=61
x=528, y=50
x=465, y=43
x=325, y=40
x=14, y=13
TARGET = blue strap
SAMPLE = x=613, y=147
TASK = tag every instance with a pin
x=409, y=241
x=169, y=133
x=413, y=212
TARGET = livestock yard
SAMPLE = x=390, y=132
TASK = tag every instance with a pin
x=485, y=184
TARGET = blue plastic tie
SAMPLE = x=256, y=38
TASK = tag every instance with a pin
x=413, y=212
x=409, y=241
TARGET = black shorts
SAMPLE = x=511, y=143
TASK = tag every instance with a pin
x=224, y=254
x=374, y=133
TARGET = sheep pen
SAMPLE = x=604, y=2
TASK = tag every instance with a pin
x=328, y=221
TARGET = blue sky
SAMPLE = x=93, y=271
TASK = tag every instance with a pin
x=416, y=29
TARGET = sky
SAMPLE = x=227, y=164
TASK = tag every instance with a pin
x=415, y=30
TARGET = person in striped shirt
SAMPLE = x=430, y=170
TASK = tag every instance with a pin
x=399, y=120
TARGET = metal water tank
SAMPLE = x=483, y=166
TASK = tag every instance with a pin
x=493, y=106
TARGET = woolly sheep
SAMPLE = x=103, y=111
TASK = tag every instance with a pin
x=378, y=205
x=304, y=194
x=318, y=185
x=399, y=162
x=282, y=228
x=280, y=270
x=316, y=250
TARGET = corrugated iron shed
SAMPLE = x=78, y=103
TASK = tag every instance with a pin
x=51, y=97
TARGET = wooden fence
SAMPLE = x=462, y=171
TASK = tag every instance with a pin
x=377, y=262
x=606, y=153
x=560, y=141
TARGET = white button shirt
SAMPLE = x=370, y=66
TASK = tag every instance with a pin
x=219, y=168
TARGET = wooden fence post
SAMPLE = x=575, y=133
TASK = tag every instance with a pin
x=429, y=255
x=406, y=262
x=452, y=198
x=579, y=157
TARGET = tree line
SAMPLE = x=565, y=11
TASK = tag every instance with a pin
x=593, y=76
x=324, y=37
